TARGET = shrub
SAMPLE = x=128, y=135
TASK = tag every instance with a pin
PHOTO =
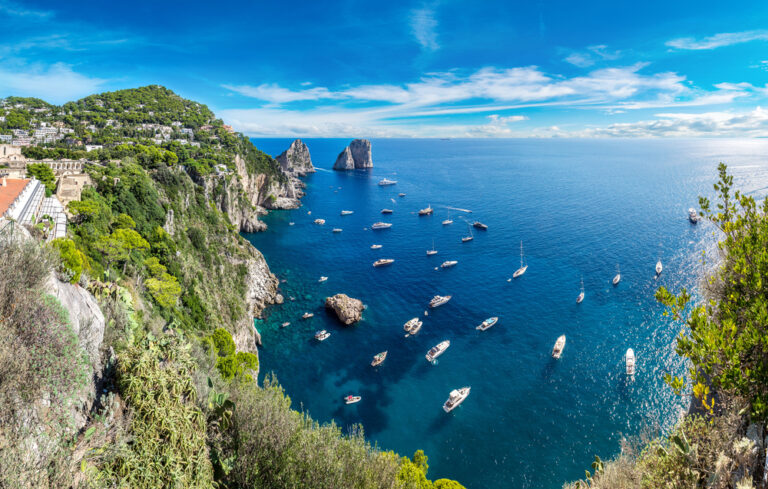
x=73, y=261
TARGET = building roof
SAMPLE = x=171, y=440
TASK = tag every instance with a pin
x=10, y=192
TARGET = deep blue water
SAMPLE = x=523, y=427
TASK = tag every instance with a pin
x=580, y=207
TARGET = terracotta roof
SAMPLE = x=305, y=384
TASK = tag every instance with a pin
x=10, y=192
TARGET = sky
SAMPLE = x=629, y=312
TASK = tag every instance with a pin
x=442, y=68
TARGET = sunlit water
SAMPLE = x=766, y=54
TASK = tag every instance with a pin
x=580, y=208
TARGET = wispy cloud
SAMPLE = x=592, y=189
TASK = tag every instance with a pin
x=424, y=27
x=16, y=10
x=718, y=40
x=56, y=83
x=593, y=54
x=276, y=94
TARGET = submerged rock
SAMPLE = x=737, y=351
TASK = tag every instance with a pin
x=356, y=156
x=296, y=159
x=347, y=309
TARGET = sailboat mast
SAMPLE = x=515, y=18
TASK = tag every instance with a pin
x=521, y=254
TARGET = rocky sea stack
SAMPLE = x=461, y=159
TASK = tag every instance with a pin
x=356, y=156
x=296, y=159
x=347, y=309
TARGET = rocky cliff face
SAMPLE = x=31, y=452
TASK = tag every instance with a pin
x=356, y=156
x=261, y=291
x=296, y=159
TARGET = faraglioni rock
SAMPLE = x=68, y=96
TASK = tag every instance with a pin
x=296, y=159
x=347, y=309
x=356, y=156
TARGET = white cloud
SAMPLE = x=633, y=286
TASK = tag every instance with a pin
x=593, y=54
x=57, y=83
x=424, y=28
x=16, y=10
x=718, y=40
x=275, y=94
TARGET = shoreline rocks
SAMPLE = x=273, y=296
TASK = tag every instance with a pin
x=347, y=309
x=356, y=156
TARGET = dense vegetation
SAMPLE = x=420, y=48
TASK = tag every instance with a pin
x=177, y=405
x=725, y=339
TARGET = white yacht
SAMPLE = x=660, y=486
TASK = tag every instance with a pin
x=385, y=181
x=375, y=246
x=630, y=361
x=346, y=213
x=381, y=225
x=437, y=350
x=693, y=216
x=439, y=300
x=487, y=323
x=617, y=278
x=523, y=267
x=337, y=230
x=401, y=194
x=433, y=251
x=557, y=351
x=455, y=398
x=448, y=264
x=350, y=399
x=378, y=359
x=412, y=326
x=659, y=268
x=323, y=279
x=320, y=221
x=386, y=211
x=427, y=211
x=322, y=335
x=581, y=295
x=291, y=223
x=383, y=262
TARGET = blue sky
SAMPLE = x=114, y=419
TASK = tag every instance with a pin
x=426, y=69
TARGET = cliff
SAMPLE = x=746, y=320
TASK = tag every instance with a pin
x=356, y=156
x=296, y=159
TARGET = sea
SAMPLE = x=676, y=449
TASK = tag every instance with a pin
x=582, y=209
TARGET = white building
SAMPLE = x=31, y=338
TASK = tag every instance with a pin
x=93, y=147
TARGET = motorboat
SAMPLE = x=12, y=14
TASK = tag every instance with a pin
x=307, y=315
x=581, y=294
x=693, y=216
x=617, y=278
x=322, y=335
x=439, y=300
x=488, y=323
x=378, y=359
x=433, y=251
x=523, y=267
x=346, y=213
x=383, y=262
x=337, y=230
x=448, y=264
x=659, y=268
x=291, y=223
x=401, y=194
x=375, y=246
x=480, y=225
x=352, y=399
x=381, y=225
x=557, y=351
x=455, y=398
x=320, y=221
x=437, y=350
x=323, y=279
x=386, y=211
x=412, y=326
x=630, y=361
x=385, y=181
x=427, y=211
x=285, y=324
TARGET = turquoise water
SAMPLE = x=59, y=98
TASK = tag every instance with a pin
x=580, y=208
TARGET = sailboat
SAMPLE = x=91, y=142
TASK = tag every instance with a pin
x=470, y=237
x=448, y=220
x=522, y=268
x=433, y=251
x=659, y=268
x=581, y=296
x=617, y=278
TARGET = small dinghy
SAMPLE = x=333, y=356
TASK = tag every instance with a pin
x=346, y=213
x=291, y=223
x=337, y=230
x=557, y=351
x=352, y=399
x=322, y=335
x=617, y=278
x=285, y=324
x=629, y=358
x=455, y=398
x=412, y=327
x=323, y=279
x=375, y=246
x=487, y=323
x=319, y=222
x=378, y=359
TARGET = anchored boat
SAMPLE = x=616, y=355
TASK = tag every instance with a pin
x=323, y=279
x=322, y=335
x=659, y=268
x=307, y=315
x=412, y=326
x=337, y=230
x=320, y=221
x=448, y=263
x=693, y=216
x=480, y=225
x=487, y=323
x=557, y=351
x=346, y=213
x=352, y=399
x=381, y=225
x=581, y=295
x=617, y=278
x=439, y=300
x=437, y=350
x=383, y=262
x=433, y=251
x=427, y=211
x=523, y=267
x=455, y=398
x=630, y=361
x=375, y=246
x=386, y=211
x=378, y=359
x=385, y=181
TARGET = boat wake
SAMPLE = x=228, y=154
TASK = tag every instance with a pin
x=459, y=209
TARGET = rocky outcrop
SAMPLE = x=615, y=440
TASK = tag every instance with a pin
x=347, y=309
x=356, y=156
x=261, y=291
x=296, y=159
